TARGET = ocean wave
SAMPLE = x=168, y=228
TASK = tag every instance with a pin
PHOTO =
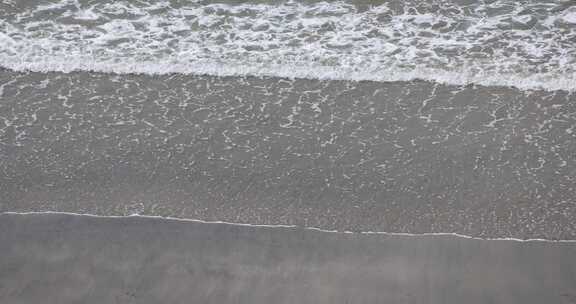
x=524, y=44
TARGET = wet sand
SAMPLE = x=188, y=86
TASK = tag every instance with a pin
x=411, y=157
x=65, y=259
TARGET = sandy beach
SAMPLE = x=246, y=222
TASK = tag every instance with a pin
x=55, y=259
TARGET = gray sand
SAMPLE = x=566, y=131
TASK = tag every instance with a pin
x=65, y=259
x=363, y=156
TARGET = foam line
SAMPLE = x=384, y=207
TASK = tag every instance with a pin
x=440, y=234
x=549, y=81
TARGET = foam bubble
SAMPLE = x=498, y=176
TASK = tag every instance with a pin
x=570, y=17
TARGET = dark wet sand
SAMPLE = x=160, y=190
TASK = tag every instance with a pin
x=65, y=259
x=410, y=157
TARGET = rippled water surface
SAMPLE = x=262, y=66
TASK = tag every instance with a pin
x=364, y=156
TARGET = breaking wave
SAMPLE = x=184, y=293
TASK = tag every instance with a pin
x=525, y=44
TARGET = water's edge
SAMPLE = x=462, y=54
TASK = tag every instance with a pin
x=446, y=234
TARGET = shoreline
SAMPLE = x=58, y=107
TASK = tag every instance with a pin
x=289, y=227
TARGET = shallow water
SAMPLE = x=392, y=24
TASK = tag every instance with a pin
x=412, y=157
x=436, y=116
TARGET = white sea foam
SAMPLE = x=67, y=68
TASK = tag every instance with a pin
x=548, y=81
x=447, y=234
x=526, y=44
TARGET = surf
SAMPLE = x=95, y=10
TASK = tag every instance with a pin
x=523, y=44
